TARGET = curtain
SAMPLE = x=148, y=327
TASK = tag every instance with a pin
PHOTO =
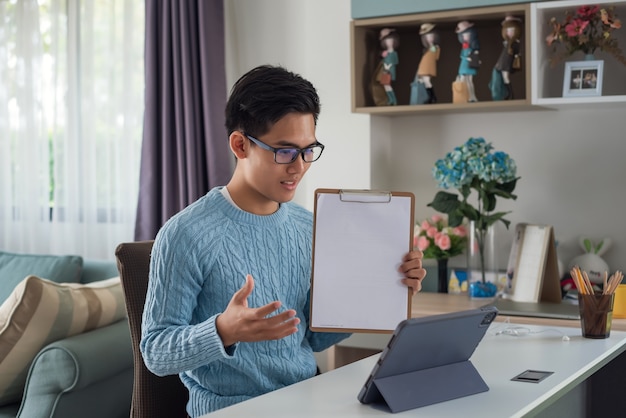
x=71, y=111
x=185, y=148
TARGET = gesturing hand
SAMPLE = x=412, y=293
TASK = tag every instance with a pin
x=238, y=322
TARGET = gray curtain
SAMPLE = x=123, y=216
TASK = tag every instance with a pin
x=185, y=149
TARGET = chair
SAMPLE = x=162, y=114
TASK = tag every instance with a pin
x=153, y=396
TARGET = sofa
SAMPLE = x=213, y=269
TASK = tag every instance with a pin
x=87, y=373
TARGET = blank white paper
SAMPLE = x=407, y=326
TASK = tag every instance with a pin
x=358, y=249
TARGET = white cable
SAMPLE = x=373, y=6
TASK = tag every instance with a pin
x=520, y=331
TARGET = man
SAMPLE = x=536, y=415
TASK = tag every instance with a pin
x=228, y=298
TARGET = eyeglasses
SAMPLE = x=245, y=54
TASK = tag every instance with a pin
x=289, y=155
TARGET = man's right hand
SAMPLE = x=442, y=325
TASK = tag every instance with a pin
x=242, y=323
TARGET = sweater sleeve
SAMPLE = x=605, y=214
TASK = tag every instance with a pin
x=161, y=360
x=171, y=342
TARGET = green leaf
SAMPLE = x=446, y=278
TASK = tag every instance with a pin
x=490, y=202
x=455, y=219
x=504, y=195
x=508, y=187
x=469, y=211
x=497, y=216
x=587, y=244
x=445, y=202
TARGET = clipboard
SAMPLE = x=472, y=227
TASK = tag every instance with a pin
x=359, y=239
x=536, y=274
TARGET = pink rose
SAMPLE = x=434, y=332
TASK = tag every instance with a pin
x=431, y=232
x=436, y=218
x=460, y=231
x=443, y=242
x=422, y=243
x=424, y=226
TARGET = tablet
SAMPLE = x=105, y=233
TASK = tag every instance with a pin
x=427, y=361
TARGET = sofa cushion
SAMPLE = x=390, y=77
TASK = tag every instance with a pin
x=58, y=268
x=39, y=312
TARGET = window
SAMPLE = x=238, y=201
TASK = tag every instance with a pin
x=71, y=121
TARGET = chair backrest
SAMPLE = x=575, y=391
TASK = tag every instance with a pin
x=153, y=396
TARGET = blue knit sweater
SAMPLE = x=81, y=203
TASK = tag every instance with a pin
x=200, y=258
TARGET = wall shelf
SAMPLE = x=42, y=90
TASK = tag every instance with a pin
x=491, y=106
x=547, y=80
x=537, y=85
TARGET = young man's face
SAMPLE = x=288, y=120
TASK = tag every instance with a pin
x=260, y=183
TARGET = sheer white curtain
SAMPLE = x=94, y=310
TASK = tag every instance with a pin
x=71, y=112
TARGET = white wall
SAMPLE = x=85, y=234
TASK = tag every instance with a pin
x=312, y=38
x=571, y=161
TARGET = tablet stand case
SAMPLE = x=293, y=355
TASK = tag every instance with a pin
x=425, y=387
x=403, y=379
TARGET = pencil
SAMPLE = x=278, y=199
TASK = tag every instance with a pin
x=588, y=283
x=615, y=280
x=575, y=273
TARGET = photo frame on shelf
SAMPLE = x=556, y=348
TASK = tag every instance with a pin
x=583, y=78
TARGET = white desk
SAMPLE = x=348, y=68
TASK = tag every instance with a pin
x=498, y=359
x=359, y=346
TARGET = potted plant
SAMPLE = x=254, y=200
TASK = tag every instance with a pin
x=475, y=166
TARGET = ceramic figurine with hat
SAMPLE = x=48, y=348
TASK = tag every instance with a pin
x=509, y=60
x=427, y=67
x=468, y=67
x=389, y=42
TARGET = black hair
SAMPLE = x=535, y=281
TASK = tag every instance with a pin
x=264, y=95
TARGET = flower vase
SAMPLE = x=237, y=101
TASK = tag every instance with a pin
x=442, y=275
x=482, y=267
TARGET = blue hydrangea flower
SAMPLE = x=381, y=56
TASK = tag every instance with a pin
x=474, y=166
x=473, y=160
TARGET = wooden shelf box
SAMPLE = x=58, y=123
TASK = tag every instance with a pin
x=366, y=52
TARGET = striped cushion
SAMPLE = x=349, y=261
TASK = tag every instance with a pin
x=39, y=312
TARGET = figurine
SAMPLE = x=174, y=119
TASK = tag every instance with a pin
x=509, y=60
x=427, y=67
x=470, y=62
x=389, y=41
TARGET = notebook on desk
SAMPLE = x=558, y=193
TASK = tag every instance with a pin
x=551, y=310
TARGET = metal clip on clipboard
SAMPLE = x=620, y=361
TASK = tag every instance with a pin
x=364, y=196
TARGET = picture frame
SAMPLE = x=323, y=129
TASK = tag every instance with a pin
x=583, y=78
